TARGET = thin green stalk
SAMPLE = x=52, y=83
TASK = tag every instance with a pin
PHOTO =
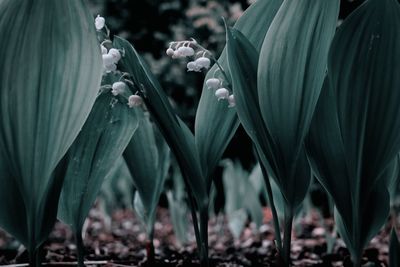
x=272, y=206
x=195, y=224
x=150, y=248
x=34, y=257
x=287, y=236
x=80, y=248
x=204, y=236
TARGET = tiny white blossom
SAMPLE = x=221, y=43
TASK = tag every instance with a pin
x=203, y=62
x=231, y=101
x=116, y=55
x=177, y=54
x=103, y=50
x=192, y=66
x=213, y=83
x=99, y=22
x=110, y=68
x=222, y=93
x=185, y=51
x=134, y=101
x=118, y=88
x=170, y=52
x=108, y=59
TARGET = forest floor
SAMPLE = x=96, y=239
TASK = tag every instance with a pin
x=121, y=242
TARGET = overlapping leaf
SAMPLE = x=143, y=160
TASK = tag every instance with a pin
x=93, y=156
x=175, y=132
x=147, y=157
x=354, y=136
x=215, y=122
x=49, y=77
x=291, y=70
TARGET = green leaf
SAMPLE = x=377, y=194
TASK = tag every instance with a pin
x=363, y=74
x=50, y=74
x=291, y=71
x=176, y=133
x=213, y=135
x=147, y=157
x=394, y=251
x=354, y=134
x=93, y=155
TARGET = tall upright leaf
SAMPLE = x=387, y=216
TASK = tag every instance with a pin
x=49, y=77
x=213, y=135
x=355, y=137
x=92, y=157
x=291, y=71
x=394, y=251
x=147, y=157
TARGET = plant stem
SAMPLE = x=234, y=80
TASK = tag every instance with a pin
x=204, y=236
x=272, y=206
x=80, y=248
x=195, y=224
x=287, y=236
x=150, y=248
x=34, y=257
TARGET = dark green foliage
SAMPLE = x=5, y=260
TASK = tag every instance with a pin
x=46, y=93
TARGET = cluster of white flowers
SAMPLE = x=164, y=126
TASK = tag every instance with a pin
x=185, y=49
x=111, y=58
x=202, y=60
x=220, y=91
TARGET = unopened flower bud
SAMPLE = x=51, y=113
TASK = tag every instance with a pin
x=222, y=93
x=116, y=55
x=118, y=88
x=231, y=101
x=103, y=50
x=192, y=66
x=134, y=101
x=213, y=83
x=170, y=52
x=99, y=22
x=203, y=62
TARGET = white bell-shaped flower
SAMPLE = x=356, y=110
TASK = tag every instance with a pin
x=231, y=101
x=118, y=88
x=192, y=66
x=108, y=59
x=116, y=55
x=135, y=101
x=99, y=22
x=203, y=62
x=222, y=93
x=213, y=83
x=170, y=52
x=186, y=51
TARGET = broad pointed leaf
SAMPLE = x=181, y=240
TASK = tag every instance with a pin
x=147, y=157
x=291, y=71
x=93, y=156
x=49, y=77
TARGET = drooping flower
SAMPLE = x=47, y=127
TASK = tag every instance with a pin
x=203, y=62
x=116, y=55
x=99, y=22
x=192, y=66
x=213, y=83
x=118, y=88
x=103, y=50
x=222, y=93
x=231, y=101
x=185, y=51
x=108, y=63
x=170, y=52
x=135, y=101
